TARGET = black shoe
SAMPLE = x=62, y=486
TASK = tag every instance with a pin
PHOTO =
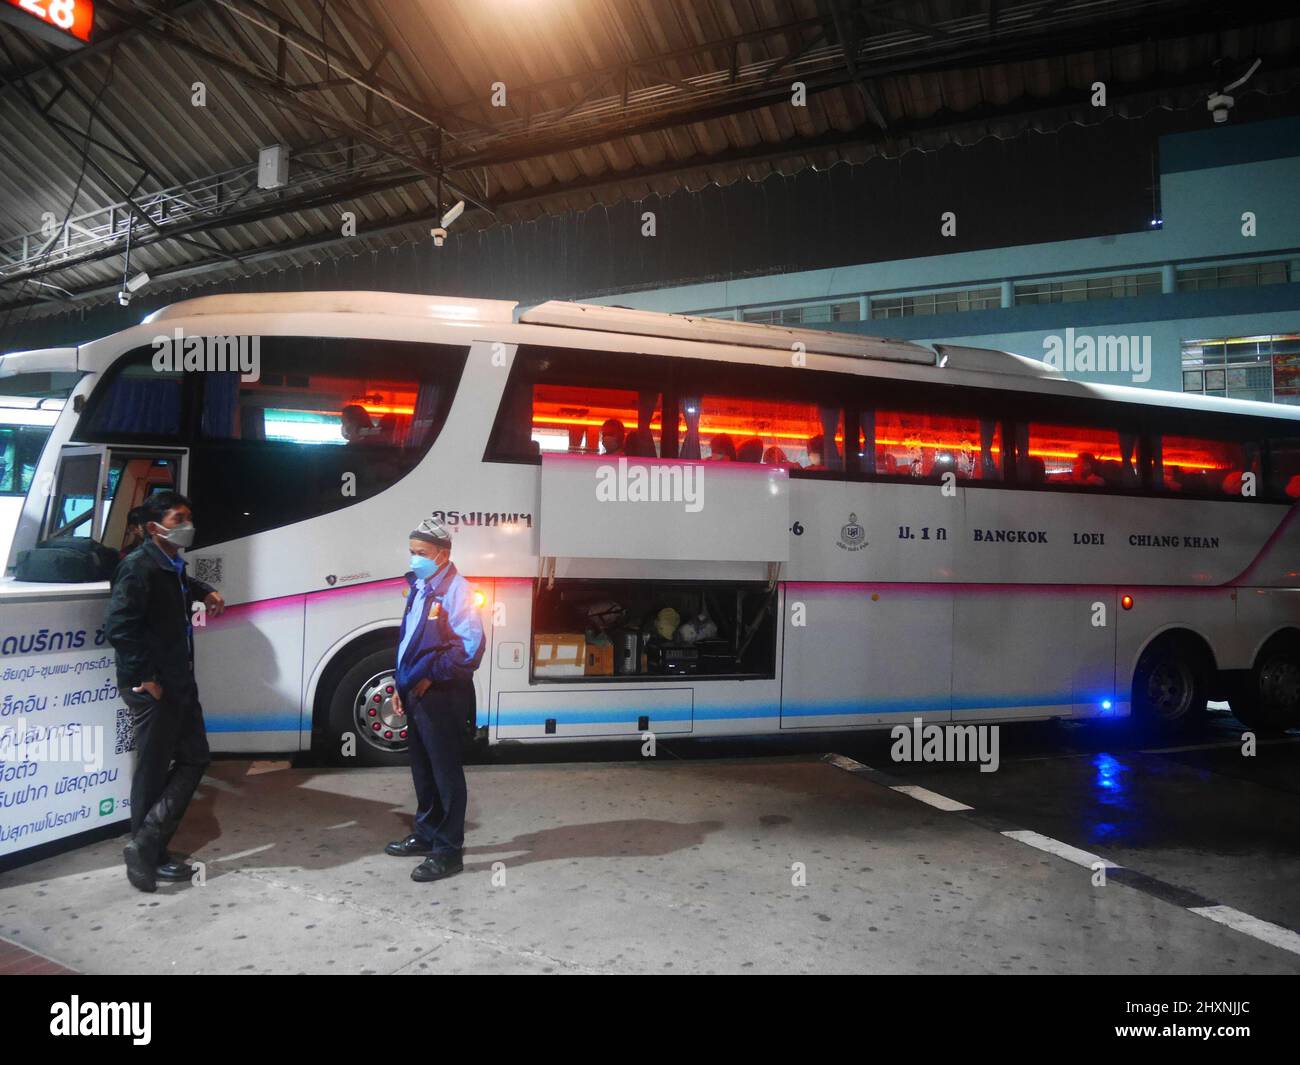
x=410, y=847
x=172, y=868
x=437, y=867
x=139, y=870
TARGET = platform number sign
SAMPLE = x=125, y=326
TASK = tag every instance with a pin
x=66, y=23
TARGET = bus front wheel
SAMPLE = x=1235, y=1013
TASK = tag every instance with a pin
x=1170, y=687
x=365, y=727
x=1268, y=697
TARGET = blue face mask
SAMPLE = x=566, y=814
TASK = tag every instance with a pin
x=422, y=567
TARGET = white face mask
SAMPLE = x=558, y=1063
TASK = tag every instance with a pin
x=181, y=536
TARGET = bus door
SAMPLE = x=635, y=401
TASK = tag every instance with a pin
x=97, y=486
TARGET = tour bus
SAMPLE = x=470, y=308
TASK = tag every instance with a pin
x=25, y=424
x=684, y=526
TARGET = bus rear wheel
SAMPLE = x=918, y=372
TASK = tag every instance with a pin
x=1170, y=687
x=362, y=707
x=1269, y=696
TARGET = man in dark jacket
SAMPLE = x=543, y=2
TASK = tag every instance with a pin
x=149, y=626
x=440, y=647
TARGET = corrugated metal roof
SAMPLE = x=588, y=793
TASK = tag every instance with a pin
x=604, y=100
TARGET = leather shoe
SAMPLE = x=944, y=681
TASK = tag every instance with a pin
x=437, y=867
x=172, y=868
x=139, y=870
x=410, y=847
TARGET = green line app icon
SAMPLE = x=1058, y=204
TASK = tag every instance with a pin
x=105, y=807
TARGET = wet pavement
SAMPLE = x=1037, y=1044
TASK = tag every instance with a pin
x=721, y=857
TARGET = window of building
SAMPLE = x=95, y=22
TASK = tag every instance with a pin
x=1076, y=456
x=1193, y=465
x=1264, y=368
x=915, y=444
x=1232, y=275
x=325, y=415
x=1079, y=289
x=927, y=303
x=807, y=314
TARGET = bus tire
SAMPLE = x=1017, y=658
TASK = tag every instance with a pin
x=1268, y=697
x=1170, y=687
x=373, y=739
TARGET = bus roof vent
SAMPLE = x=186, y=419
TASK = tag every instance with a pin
x=400, y=304
x=721, y=331
x=991, y=360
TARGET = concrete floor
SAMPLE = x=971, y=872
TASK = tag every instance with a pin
x=686, y=866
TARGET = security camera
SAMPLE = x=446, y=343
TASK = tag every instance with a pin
x=439, y=232
x=1219, y=104
x=138, y=282
x=124, y=298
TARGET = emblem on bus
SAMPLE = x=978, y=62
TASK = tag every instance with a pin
x=853, y=537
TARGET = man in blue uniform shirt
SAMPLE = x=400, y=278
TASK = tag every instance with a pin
x=440, y=647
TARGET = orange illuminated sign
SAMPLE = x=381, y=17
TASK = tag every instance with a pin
x=63, y=22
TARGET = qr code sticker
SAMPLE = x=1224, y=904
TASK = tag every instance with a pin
x=124, y=740
x=208, y=570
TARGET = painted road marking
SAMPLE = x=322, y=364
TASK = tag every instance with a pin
x=1061, y=850
x=931, y=798
x=1272, y=934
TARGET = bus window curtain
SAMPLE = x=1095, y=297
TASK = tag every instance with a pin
x=1022, y=445
x=221, y=405
x=646, y=402
x=1157, y=462
x=427, y=397
x=867, y=429
x=830, y=419
x=988, y=465
x=136, y=405
x=253, y=423
x=1127, y=447
x=690, y=448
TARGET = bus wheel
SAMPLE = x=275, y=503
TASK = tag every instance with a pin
x=1169, y=687
x=1269, y=697
x=362, y=707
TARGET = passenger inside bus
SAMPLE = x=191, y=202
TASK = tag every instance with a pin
x=774, y=456
x=750, y=450
x=612, y=437
x=1084, y=470
x=355, y=425
x=722, y=448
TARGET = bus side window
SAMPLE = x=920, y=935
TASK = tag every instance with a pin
x=590, y=420
x=1284, y=470
x=925, y=446
x=136, y=401
x=1200, y=466
x=1077, y=456
x=797, y=434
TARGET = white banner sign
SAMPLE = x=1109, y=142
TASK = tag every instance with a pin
x=65, y=734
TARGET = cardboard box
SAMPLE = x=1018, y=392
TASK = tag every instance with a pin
x=559, y=654
x=600, y=660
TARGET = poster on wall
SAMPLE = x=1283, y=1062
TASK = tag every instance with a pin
x=65, y=734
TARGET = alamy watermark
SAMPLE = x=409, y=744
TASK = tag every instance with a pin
x=81, y=744
x=1099, y=354
x=659, y=483
x=208, y=354
x=946, y=743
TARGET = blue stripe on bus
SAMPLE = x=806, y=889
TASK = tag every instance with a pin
x=721, y=713
x=270, y=723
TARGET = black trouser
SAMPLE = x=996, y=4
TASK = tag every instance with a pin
x=437, y=725
x=171, y=753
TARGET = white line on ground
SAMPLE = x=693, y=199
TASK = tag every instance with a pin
x=1061, y=850
x=1272, y=934
x=930, y=798
x=242, y=854
x=850, y=765
x=341, y=824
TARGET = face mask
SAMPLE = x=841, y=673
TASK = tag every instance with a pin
x=423, y=568
x=181, y=536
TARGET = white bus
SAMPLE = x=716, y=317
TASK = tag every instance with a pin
x=955, y=534
x=25, y=424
